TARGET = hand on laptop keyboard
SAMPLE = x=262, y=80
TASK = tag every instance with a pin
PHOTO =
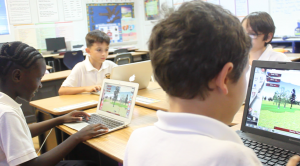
x=91, y=131
x=271, y=155
x=294, y=161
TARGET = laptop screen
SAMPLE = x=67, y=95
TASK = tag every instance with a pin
x=274, y=102
x=116, y=99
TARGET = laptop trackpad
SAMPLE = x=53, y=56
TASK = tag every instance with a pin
x=77, y=126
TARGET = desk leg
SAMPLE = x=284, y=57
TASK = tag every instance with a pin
x=39, y=118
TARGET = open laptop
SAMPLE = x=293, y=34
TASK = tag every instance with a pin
x=139, y=72
x=271, y=120
x=115, y=107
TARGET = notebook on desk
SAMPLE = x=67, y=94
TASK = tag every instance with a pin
x=271, y=120
x=115, y=106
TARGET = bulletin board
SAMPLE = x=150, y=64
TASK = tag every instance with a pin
x=115, y=19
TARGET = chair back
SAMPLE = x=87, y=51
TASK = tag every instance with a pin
x=71, y=58
x=122, y=50
x=123, y=58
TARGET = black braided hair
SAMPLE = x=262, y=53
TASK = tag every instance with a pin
x=18, y=53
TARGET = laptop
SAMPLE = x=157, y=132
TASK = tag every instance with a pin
x=271, y=120
x=139, y=72
x=115, y=106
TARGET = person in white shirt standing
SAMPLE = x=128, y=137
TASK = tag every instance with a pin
x=260, y=27
x=199, y=55
x=88, y=75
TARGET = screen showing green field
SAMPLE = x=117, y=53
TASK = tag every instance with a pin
x=274, y=102
x=117, y=99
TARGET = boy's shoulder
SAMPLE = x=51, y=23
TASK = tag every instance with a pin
x=110, y=63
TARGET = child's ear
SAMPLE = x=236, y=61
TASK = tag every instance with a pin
x=87, y=50
x=270, y=36
x=16, y=75
x=223, y=78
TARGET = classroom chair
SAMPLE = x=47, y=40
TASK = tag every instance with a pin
x=71, y=58
x=123, y=58
x=122, y=50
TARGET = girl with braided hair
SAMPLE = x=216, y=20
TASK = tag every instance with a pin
x=21, y=70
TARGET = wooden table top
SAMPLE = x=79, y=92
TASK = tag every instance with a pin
x=48, y=67
x=152, y=91
x=293, y=56
x=56, y=75
x=49, y=104
x=112, y=56
x=114, y=144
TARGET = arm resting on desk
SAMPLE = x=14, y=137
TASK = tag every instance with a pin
x=55, y=155
x=75, y=90
x=41, y=127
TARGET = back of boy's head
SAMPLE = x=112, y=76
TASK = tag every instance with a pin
x=96, y=36
x=17, y=53
x=261, y=22
x=191, y=46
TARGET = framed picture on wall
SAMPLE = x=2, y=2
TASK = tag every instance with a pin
x=152, y=9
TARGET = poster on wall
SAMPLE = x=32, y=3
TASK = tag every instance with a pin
x=72, y=10
x=47, y=10
x=128, y=29
x=15, y=8
x=4, y=27
x=107, y=18
x=151, y=9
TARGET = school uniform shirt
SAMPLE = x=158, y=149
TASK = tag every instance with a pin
x=187, y=139
x=16, y=144
x=84, y=74
x=270, y=55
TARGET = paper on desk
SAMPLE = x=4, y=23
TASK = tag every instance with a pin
x=145, y=100
x=76, y=106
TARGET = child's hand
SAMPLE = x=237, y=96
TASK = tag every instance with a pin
x=93, y=88
x=293, y=161
x=91, y=131
x=75, y=116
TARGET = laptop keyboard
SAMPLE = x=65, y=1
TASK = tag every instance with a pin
x=109, y=123
x=268, y=154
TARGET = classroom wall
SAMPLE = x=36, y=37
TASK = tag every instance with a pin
x=81, y=29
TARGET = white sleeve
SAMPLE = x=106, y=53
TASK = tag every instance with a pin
x=14, y=142
x=73, y=80
x=282, y=57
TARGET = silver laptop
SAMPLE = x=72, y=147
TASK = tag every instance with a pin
x=271, y=120
x=139, y=72
x=115, y=107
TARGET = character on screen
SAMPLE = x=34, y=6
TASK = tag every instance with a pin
x=116, y=93
x=293, y=97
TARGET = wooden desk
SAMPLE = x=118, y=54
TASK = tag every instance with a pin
x=293, y=56
x=109, y=56
x=113, y=144
x=48, y=67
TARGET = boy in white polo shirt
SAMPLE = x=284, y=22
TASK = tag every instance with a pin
x=199, y=56
x=87, y=76
x=260, y=27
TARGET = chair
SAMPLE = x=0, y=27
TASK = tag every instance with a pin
x=122, y=50
x=123, y=58
x=71, y=58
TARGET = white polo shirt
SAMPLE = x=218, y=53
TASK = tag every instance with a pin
x=183, y=139
x=16, y=144
x=84, y=74
x=270, y=55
